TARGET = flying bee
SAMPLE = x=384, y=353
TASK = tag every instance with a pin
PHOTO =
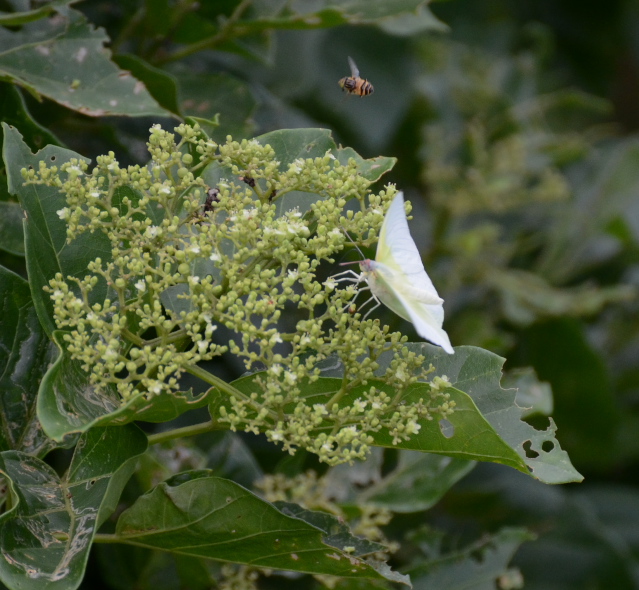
x=353, y=84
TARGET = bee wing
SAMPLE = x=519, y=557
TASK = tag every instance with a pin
x=354, y=70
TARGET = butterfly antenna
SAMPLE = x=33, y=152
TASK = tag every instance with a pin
x=356, y=247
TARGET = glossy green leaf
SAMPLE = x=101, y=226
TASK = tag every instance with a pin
x=25, y=352
x=203, y=516
x=47, y=533
x=47, y=251
x=480, y=566
x=68, y=404
x=63, y=58
x=417, y=483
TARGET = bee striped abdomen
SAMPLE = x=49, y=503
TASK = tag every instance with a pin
x=358, y=86
x=353, y=84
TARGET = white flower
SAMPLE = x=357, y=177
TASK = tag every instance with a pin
x=152, y=231
x=140, y=285
x=194, y=249
x=330, y=283
x=215, y=257
x=63, y=213
x=413, y=427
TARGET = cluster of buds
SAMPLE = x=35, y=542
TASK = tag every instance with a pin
x=198, y=271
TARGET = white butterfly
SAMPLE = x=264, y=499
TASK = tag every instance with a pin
x=397, y=278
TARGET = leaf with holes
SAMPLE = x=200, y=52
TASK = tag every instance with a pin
x=47, y=533
x=199, y=515
x=484, y=426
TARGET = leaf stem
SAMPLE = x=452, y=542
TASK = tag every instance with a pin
x=222, y=35
x=192, y=430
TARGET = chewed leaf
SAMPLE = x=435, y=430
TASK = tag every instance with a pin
x=25, y=352
x=205, y=516
x=465, y=434
x=477, y=372
x=486, y=424
x=47, y=534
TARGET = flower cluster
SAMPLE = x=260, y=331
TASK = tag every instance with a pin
x=215, y=249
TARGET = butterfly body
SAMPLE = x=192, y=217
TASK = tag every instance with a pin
x=397, y=278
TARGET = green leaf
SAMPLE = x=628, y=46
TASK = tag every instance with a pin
x=478, y=372
x=291, y=144
x=417, y=483
x=208, y=95
x=200, y=515
x=68, y=404
x=64, y=59
x=161, y=85
x=268, y=15
x=527, y=297
x=13, y=111
x=372, y=169
x=481, y=566
x=47, y=533
x=485, y=426
x=14, y=19
x=413, y=23
x=47, y=251
x=11, y=232
x=25, y=353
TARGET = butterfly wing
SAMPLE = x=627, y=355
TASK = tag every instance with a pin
x=428, y=320
x=354, y=70
x=427, y=316
x=397, y=250
x=407, y=283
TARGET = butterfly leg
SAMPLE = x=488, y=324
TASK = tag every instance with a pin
x=372, y=308
x=348, y=275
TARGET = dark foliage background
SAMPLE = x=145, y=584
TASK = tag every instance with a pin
x=514, y=124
